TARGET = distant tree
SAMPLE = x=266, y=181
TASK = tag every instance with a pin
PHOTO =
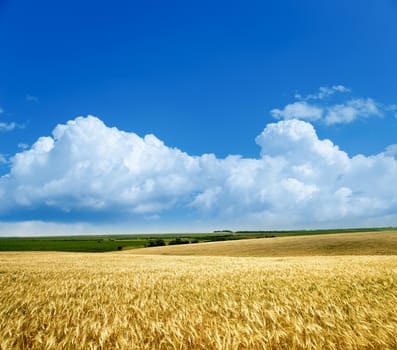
x=156, y=243
x=178, y=241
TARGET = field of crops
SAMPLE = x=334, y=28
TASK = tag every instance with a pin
x=116, y=242
x=126, y=301
x=362, y=243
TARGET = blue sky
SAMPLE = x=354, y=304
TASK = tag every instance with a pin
x=267, y=82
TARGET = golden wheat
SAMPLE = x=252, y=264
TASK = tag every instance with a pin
x=362, y=243
x=123, y=301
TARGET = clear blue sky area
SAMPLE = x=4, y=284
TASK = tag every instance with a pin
x=203, y=77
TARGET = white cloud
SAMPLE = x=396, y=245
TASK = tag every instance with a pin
x=391, y=151
x=340, y=88
x=324, y=92
x=10, y=126
x=331, y=113
x=351, y=110
x=22, y=145
x=4, y=126
x=31, y=98
x=299, y=180
x=7, y=126
x=298, y=110
x=41, y=228
x=86, y=165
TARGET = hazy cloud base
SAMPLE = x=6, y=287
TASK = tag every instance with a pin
x=89, y=172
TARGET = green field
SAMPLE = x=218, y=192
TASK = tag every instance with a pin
x=68, y=245
x=106, y=243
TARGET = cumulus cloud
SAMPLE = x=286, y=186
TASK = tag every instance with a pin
x=10, y=126
x=298, y=180
x=3, y=159
x=22, y=145
x=298, y=110
x=351, y=110
x=322, y=107
x=7, y=126
x=324, y=92
x=391, y=151
x=86, y=165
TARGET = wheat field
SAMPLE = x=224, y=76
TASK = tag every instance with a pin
x=126, y=301
x=361, y=243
